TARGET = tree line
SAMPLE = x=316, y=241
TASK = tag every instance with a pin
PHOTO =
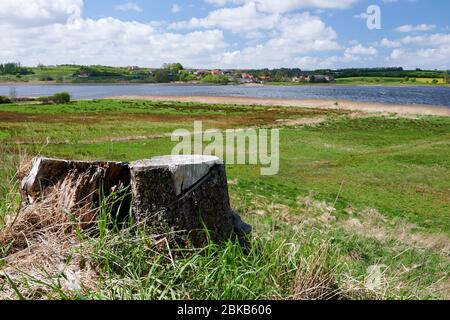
x=13, y=68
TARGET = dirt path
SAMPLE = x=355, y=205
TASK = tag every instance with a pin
x=322, y=104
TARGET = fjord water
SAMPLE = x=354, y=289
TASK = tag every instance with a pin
x=405, y=95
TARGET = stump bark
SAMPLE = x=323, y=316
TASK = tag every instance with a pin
x=186, y=194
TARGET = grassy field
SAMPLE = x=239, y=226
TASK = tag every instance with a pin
x=396, y=81
x=355, y=193
x=66, y=74
x=390, y=81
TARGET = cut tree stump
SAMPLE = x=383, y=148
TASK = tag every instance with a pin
x=75, y=187
x=180, y=194
x=186, y=194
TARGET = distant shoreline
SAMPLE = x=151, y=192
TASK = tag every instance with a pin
x=272, y=84
x=405, y=110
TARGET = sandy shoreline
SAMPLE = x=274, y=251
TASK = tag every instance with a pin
x=306, y=103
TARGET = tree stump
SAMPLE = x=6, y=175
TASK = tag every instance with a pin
x=181, y=194
x=186, y=194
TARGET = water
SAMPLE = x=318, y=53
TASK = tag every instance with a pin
x=424, y=95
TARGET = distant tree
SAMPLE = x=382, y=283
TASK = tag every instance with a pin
x=46, y=77
x=162, y=76
x=173, y=67
x=219, y=79
x=279, y=76
x=185, y=76
x=14, y=68
x=61, y=97
x=177, y=67
x=264, y=73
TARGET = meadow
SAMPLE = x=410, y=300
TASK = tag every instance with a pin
x=356, y=192
x=372, y=80
x=390, y=81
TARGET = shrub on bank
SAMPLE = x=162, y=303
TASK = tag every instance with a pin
x=219, y=79
x=59, y=98
x=4, y=100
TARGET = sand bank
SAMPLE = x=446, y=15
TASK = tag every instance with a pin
x=306, y=103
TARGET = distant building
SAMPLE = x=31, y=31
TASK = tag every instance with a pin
x=244, y=81
x=229, y=73
x=84, y=75
x=317, y=78
x=201, y=72
x=217, y=72
x=246, y=78
x=133, y=68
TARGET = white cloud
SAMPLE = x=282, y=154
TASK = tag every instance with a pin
x=238, y=20
x=107, y=41
x=26, y=13
x=361, y=50
x=417, y=28
x=55, y=32
x=129, y=6
x=293, y=39
x=425, y=51
x=430, y=40
x=388, y=43
x=281, y=6
x=275, y=39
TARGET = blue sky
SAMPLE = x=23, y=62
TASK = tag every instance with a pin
x=227, y=33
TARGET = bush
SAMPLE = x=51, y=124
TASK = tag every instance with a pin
x=215, y=79
x=4, y=100
x=162, y=76
x=45, y=100
x=61, y=97
x=46, y=78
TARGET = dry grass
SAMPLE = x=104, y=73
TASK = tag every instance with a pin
x=371, y=223
x=40, y=245
x=52, y=265
x=57, y=211
x=315, y=280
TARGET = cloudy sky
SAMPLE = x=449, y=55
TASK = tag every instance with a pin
x=308, y=34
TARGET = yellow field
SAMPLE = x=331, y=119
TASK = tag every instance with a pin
x=428, y=80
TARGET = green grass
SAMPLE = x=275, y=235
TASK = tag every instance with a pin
x=389, y=81
x=396, y=81
x=64, y=73
x=396, y=167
